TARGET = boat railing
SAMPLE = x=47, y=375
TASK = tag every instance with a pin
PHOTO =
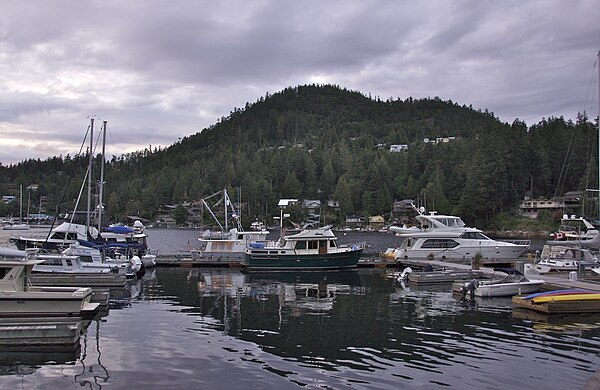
x=355, y=246
x=519, y=242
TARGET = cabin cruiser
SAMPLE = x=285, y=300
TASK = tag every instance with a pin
x=19, y=299
x=83, y=257
x=67, y=233
x=311, y=249
x=447, y=237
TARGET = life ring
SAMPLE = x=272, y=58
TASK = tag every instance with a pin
x=559, y=236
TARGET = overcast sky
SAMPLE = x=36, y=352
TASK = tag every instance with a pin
x=158, y=71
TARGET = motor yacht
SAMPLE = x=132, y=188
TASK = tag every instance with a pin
x=447, y=237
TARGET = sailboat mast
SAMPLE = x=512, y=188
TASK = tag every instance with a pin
x=598, y=82
x=89, y=192
x=101, y=190
x=20, y=203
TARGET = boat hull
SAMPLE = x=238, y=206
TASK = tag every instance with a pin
x=263, y=261
x=508, y=289
x=489, y=252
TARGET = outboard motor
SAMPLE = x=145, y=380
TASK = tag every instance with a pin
x=404, y=275
x=470, y=288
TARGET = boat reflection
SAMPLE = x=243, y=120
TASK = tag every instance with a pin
x=93, y=373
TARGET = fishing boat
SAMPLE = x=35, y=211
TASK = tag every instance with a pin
x=504, y=282
x=310, y=249
x=230, y=245
x=226, y=244
x=448, y=237
x=19, y=299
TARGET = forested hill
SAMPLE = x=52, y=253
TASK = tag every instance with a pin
x=328, y=143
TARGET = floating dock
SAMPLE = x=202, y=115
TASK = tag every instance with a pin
x=229, y=262
x=558, y=307
x=79, y=280
x=35, y=332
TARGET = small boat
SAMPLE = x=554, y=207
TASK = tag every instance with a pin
x=19, y=299
x=311, y=249
x=504, y=283
x=556, y=258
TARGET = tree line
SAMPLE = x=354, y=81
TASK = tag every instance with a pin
x=329, y=143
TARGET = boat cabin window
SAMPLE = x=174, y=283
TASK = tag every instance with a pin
x=69, y=263
x=473, y=236
x=332, y=244
x=439, y=243
x=313, y=244
x=54, y=262
x=61, y=236
x=2, y=273
x=86, y=259
x=300, y=245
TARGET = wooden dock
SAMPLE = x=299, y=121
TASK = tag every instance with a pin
x=228, y=262
x=558, y=307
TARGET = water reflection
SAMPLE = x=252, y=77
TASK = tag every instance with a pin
x=367, y=323
x=93, y=373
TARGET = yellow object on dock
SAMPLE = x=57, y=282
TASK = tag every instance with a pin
x=559, y=306
x=565, y=297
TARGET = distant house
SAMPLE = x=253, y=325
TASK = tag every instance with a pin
x=531, y=207
x=398, y=148
x=354, y=221
x=376, y=221
x=311, y=204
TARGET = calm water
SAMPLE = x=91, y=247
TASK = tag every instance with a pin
x=221, y=329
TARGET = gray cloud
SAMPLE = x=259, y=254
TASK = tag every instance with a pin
x=158, y=71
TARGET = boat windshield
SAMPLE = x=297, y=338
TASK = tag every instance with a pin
x=473, y=236
x=445, y=221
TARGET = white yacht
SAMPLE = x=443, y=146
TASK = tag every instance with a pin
x=447, y=237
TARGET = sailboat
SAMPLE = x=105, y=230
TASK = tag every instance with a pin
x=11, y=225
x=70, y=232
x=570, y=248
